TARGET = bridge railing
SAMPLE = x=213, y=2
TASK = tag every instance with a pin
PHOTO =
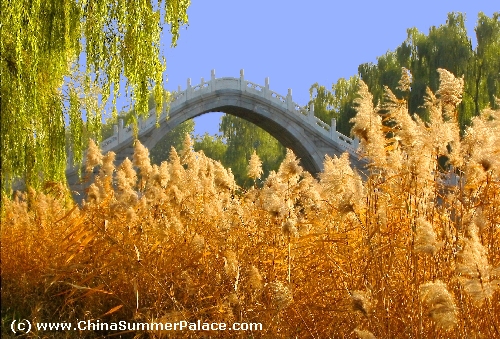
x=123, y=133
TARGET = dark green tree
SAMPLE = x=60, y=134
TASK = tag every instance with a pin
x=337, y=103
x=213, y=146
x=242, y=138
x=484, y=86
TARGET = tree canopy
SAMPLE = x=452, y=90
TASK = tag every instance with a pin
x=44, y=43
x=447, y=46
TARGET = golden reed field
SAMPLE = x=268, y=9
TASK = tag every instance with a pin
x=409, y=248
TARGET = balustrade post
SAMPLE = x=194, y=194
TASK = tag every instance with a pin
x=267, y=93
x=310, y=114
x=289, y=100
x=333, y=128
x=355, y=143
x=120, y=130
x=212, y=80
x=243, y=86
x=188, y=89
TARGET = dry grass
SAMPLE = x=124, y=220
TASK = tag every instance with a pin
x=400, y=254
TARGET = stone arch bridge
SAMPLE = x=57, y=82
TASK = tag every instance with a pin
x=295, y=126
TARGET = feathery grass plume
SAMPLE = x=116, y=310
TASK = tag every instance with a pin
x=444, y=131
x=231, y=264
x=164, y=174
x=450, y=90
x=481, y=148
x=480, y=220
x=177, y=172
x=425, y=239
x=254, y=278
x=93, y=194
x=290, y=170
x=439, y=304
x=341, y=186
x=207, y=171
x=280, y=295
x=141, y=160
x=108, y=165
x=176, y=225
x=406, y=79
x=94, y=156
x=475, y=272
x=361, y=301
x=396, y=112
x=419, y=142
x=126, y=179
x=308, y=192
x=254, y=168
x=411, y=142
x=223, y=178
x=153, y=192
x=188, y=155
x=42, y=205
x=274, y=203
x=273, y=198
x=363, y=334
x=131, y=216
x=404, y=128
x=154, y=177
x=289, y=227
x=129, y=175
x=104, y=180
x=368, y=127
x=198, y=244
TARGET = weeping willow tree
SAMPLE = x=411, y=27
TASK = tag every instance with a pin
x=43, y=43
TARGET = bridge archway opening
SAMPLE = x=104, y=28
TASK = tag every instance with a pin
x=231, y=140
x=207, y=123
x=276, y=129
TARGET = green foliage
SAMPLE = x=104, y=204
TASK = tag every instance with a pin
x=41, y=42
x=335, y=104
x=485, y=86
x=213, y=146
x=174, y=138
x=242, y=138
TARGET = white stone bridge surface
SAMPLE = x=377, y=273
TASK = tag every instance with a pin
x=293, y=125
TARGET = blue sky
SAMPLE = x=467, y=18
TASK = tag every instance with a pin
x=297, y=43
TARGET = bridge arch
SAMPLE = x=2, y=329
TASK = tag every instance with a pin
x=294, y=126
x=263, y=113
